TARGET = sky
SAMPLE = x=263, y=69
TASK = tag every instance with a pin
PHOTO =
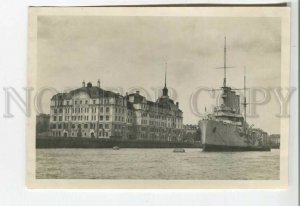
x=133, y=53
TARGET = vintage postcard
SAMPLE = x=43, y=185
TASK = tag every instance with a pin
x=159, y=97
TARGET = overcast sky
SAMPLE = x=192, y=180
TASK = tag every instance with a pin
x=130, y=52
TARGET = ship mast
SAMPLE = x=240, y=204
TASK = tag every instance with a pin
x=245, y=100
x=225, y=67
x=224, y=82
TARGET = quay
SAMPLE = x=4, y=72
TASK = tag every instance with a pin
x=75, y=142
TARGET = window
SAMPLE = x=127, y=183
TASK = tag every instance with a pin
x=54, y=118
x=106, y=126
x=67, y=102
x=101, y=109
x=59, y=126
x=86, y=101
x=75, y=102
x=94, y=101
x=80, y=101
x=85, y=126
x=73, y=126
x=107, y=118
x=100, y=126
x=60, y=118
x=54, y=111
x=107, y=109
x=101, y=117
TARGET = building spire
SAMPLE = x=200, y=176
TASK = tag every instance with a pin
x=165, y=89
x=166, y=75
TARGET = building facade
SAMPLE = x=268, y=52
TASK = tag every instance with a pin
x=92, y=112
x=274, y=140
x=42, y=123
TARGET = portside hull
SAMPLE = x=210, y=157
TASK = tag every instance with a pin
x=219, y=136
x=225, y=148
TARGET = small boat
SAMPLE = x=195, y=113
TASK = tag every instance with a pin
x=181, y=150
x=116, y=148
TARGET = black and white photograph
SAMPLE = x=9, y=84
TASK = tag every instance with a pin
x=159, y=97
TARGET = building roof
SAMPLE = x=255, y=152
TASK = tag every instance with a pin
x=93, y=92
x=137, y=98
x=96, y=92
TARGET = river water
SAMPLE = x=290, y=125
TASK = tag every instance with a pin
x=156, y=164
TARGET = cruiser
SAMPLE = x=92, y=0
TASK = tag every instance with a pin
x=226, y=128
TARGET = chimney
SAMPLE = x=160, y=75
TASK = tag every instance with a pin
x=83, y=83
x=177, y=104
x=89, y=85
x=98, y=83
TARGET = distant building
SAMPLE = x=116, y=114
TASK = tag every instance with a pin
x=191, y=133
x=42, y=123
x=93, y=112
x=274, y=140
x=260, y=136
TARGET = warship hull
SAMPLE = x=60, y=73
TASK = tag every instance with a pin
x=218, y=136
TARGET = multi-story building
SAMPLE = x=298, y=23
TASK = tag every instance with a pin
x=93, y=112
